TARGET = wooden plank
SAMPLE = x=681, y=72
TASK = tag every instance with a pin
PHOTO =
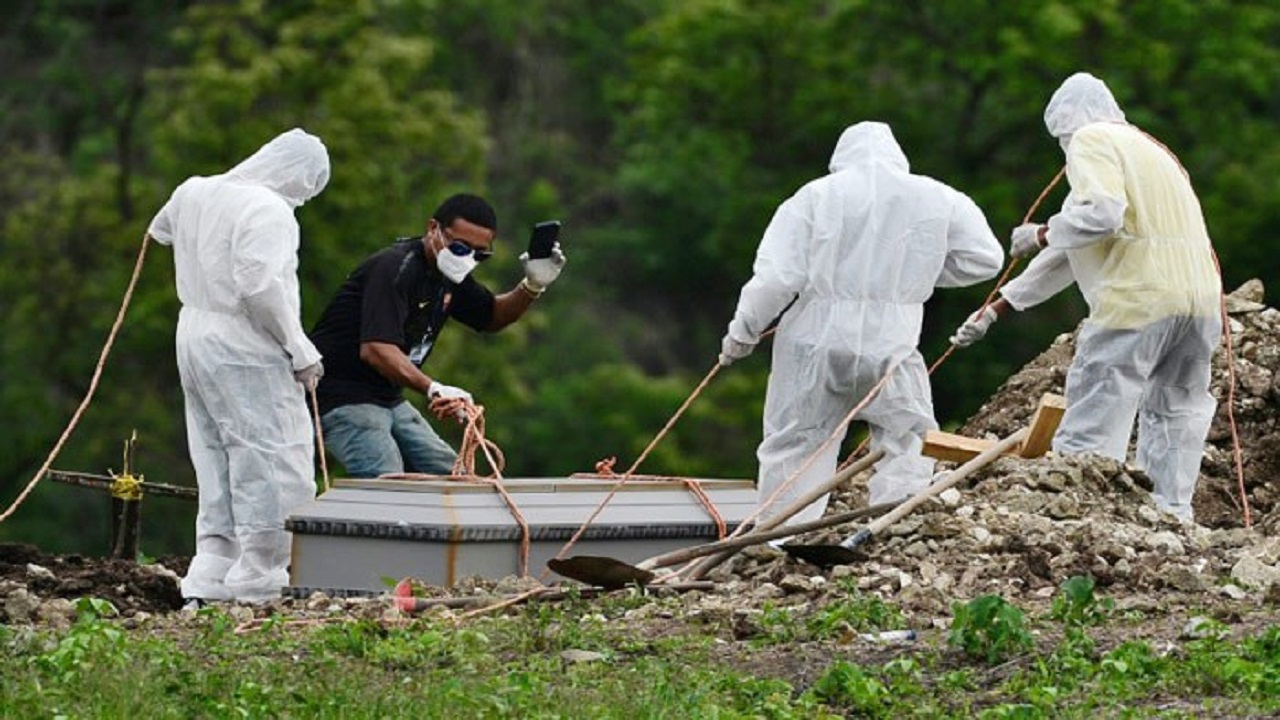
x=953, y=448
x=1043, y=425
x=959, y=448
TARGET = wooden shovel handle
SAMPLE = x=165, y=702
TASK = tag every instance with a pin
x=675, y=557
x=701, y=569
x=981, y=460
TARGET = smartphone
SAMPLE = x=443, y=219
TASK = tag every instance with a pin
x=543, y=239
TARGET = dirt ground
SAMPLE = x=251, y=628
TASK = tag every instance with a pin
x=1019, y=529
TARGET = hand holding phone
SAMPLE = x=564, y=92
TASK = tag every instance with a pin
x=543, y=239
x=543, y=261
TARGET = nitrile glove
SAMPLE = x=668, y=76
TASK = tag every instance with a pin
x=975, y=327
x=1025, y=240
x=541, y=272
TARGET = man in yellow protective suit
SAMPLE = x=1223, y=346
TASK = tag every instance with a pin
x=1132, y=236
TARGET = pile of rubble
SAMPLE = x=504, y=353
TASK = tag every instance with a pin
x=1022, y=527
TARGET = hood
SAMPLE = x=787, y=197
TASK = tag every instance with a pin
x=866, y=143
x=294, y=164
x=1082, y=99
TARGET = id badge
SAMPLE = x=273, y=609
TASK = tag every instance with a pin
x=419, y=353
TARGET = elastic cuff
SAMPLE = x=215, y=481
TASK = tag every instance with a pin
x=526, y=286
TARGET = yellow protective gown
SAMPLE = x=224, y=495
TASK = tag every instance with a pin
x=1132, y=235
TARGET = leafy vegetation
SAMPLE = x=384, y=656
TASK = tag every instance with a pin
x=643, y=659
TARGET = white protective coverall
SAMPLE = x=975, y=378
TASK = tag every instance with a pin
x=859, y=251
x=1132, y=237
x=239, y=341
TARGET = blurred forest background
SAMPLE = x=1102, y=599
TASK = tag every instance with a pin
x=663, y=133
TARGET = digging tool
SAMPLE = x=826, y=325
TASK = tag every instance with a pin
x=597, y=570
x=699, y=571
x=605, y=572
x=826, y=556
x=608, y=572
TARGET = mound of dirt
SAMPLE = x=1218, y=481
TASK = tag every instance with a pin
x=1022, y=527
x=1253, y=363
x=36, y=587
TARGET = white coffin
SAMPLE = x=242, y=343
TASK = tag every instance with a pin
x=363, y=535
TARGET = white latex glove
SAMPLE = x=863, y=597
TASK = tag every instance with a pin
x=731, y=350
x=975, y=327
x=439, y=391
x=310, y=375
x=1025, y=240
x=540, y=273
x=444, y=400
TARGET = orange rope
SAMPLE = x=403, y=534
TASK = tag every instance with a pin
x=627, y=475
x=93, y=384
x=473, y=438
x=604, y=469
x=315, y=418
x=1236, y=452
x=708, y=504
x=473, y=441
x=464, y=467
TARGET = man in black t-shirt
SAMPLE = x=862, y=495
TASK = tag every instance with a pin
x=381, y=325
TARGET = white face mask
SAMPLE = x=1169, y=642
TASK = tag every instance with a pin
x=455, y=267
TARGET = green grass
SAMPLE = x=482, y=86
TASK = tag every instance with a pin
x=663, y=667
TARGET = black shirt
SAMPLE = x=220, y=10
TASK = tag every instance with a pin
x=395, y=296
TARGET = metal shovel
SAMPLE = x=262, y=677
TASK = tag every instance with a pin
x=599, y=570
x=826, y=556
x=611, y=573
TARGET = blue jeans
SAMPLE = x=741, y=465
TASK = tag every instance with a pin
x=371, y=440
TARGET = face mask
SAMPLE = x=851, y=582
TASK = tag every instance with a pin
x=455, y=267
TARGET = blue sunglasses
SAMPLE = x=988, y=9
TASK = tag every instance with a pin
x=461, y=249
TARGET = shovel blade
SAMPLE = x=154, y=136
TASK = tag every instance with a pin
x=824, y=556
x=605, y=572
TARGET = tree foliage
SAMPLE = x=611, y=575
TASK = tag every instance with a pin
x=663, y=134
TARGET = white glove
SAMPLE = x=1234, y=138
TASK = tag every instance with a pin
x=731, y=350
x=439, y=391
x=975, y=327
x=1025, y=240
x=310, y=375
x=541, y=272
x=441, y=397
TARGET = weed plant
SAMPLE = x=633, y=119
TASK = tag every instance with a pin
x=996, y=662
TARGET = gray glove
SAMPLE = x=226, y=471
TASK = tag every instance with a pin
x=1025, y=240
x=310, y=375
x=540, y=273
x=975, y=327
x=731, y=350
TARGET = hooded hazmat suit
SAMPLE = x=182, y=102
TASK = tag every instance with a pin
x=239, y=342
x=855, y=254
x=1132, y=237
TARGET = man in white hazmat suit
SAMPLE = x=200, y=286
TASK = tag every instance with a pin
x=244, y=361
x=855, y=254
x=1132, y=237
